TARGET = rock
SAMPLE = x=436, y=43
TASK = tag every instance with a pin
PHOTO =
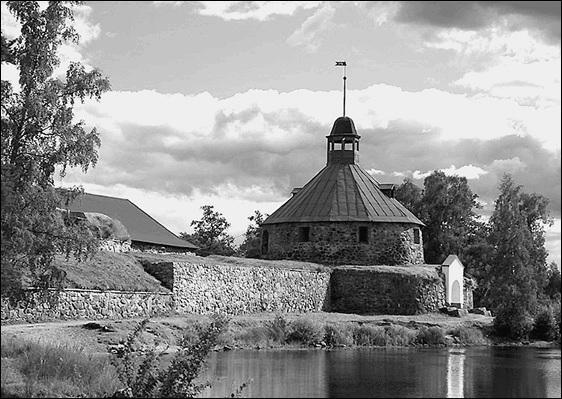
x=481, y=311
x=226, y=348
x=457, y=312
x=123, y=393
x=92, y=326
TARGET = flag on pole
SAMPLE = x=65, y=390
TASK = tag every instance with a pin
x=341, y=63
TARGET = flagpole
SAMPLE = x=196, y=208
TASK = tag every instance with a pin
x=344, y=84
x=344, y=65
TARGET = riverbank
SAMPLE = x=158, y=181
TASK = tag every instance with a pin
x=64, y=358
x=269, y=330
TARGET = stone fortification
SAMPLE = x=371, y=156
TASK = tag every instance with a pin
x=387, y=290
x=87, y=304
x=339, y=243
x=235, y=289
x=192, y=284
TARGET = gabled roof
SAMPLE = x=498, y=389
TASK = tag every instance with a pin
x=140, y=225
x=450, y=259
x=342, y=193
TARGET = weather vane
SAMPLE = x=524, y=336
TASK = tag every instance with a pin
x=344, y=65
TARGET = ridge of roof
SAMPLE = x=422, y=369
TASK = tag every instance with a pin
x=145, y=233
x=161, y=225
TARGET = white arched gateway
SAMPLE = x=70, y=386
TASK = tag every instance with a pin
x=453, y=270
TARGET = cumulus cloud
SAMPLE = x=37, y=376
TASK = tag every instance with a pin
x=260, y=144
x=309, y=34
x=469, y=171
x=540, y=16
x=244, y=10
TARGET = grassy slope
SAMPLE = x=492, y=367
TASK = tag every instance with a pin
x=108, y=271
x=230, y=261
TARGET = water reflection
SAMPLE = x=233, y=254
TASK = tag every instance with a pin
x=470, y=372
x=455, y=373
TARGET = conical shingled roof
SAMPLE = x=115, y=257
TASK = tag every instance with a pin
x=342, y=193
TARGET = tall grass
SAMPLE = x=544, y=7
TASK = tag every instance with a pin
x=399, y=336
x=277, y=329
x=366, y=335
x=431, y=336
x=469, y=336
x=54, y=370
x=306, y=332
x=338, y=335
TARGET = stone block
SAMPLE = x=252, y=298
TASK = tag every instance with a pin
x=458, y=312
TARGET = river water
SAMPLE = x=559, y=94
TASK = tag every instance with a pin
x=458, y=372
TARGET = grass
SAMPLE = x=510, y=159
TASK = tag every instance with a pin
x=34, y=369
x=469, y=336
x=218, y=260
x=367, y=335
x=108, y=271
x=432, y=336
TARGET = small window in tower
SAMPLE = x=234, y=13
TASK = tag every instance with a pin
x=337, y=146
x=363, y=234
x=304, y=234
x=416, y=236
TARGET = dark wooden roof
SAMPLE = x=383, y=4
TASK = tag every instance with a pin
x=342, y=193
x=140, y=225
x=343, y=126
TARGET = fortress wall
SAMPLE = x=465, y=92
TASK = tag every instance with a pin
x=86, y=304
x=386, y=290
x=235, y=289
x=204, y=285
x=337, y=243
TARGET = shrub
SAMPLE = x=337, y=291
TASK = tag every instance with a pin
x=143, y=378
x=335, y=334
x=366, y=335
x=513, y=322
x=305, y=331
x=253, y=335
x=469, y=335
x=546, y=326
x=431, y=336
x=277, y=330
x=55, y=370
x=399, y=336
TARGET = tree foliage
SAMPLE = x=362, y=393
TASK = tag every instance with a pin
x=210, y=233
x=518, y=275
x=250, y=248
x=448, y=211
x=39, y=134
x=143, y=377
x=409, y=195
x=447, y=207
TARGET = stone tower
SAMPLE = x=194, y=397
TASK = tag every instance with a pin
x=343, y=215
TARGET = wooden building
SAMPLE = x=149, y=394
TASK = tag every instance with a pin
x=146, y=232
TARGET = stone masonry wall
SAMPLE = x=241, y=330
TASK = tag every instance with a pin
x=204, y=288
x=469, y=287
x=112, y=245
x=383, y=290
x=87, y=304
x=337, y=243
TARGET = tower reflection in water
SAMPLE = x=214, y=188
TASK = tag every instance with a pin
x=455, y=373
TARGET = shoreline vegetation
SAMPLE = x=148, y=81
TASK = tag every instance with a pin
x=76, y=358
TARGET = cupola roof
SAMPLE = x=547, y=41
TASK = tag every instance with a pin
x=343, y=126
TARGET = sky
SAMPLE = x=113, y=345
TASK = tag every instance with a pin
x=229, y=103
